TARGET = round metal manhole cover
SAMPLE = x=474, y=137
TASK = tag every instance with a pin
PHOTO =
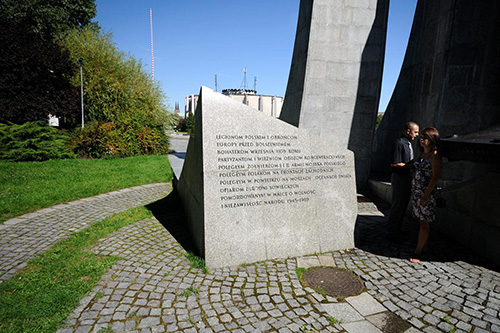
x=333, y=281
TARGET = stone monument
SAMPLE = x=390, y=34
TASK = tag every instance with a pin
x=256, y=188
x=336, y=73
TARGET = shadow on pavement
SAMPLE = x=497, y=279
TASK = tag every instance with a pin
x=168, y=211
x=370, y=235
x=179, y=155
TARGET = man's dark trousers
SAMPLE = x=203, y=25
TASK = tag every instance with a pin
x=401, y=193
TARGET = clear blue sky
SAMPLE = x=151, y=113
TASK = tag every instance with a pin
x=195, y=40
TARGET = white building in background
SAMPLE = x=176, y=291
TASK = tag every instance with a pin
x=270, y=105
x=190, y=102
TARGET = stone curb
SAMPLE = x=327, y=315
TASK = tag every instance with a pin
x=43, y=211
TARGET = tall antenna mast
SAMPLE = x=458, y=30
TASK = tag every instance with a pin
x=216, y=86
x=245, y=85
x=152, y=56
x=255, y=83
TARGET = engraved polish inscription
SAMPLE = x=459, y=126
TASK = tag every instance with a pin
x=257, y=170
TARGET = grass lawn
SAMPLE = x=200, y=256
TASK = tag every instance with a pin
x=29, y=186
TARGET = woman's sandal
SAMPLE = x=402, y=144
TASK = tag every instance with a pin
x=415, y=258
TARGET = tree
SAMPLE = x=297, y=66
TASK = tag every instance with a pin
x=117, y=88
x=379, y=119
x=35, y=79
x=190, y=123
x=50, y=18
x=125, y=112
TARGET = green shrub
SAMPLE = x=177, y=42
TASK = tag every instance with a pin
x=33, y=141
x=152, y=141
x=97, y=140
x=107, y=139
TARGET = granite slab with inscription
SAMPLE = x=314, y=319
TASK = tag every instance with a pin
x=255, y=188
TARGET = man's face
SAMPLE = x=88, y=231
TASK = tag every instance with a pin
x=412, y=133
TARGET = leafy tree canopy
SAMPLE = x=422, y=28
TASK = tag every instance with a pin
x=125, y=114
x=116, y=86
x=35, y=76
x=50, y=18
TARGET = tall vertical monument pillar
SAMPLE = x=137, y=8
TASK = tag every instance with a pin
x=335, y=78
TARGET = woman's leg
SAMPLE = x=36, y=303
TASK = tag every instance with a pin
x=423, y=237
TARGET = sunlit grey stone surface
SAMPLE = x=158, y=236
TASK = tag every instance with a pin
x=255, y=188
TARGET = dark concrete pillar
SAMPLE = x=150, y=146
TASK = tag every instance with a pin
x=450, y=75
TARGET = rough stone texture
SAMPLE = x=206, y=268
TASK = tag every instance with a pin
x=256, y=188
x=475, y=205
x=449, y=77
x=335, y=77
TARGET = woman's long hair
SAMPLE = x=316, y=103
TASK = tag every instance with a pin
x=432, y=134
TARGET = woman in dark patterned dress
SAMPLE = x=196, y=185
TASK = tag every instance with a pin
x=427, y=170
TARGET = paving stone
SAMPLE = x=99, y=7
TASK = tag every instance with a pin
x=83, y=329
x=307, y=262
x=225, y=318
x=360, y=326
x=391, y=306
x=342, y=312
x=64, y=330
x=479, y=323
x=88, y=322
x=365, y=304
x=416, y=322
x=491, y=319
x=388, y=322
x=431, y=319
x=472, y=312
x=431, y=329
x=326, y=260
x=464, y=326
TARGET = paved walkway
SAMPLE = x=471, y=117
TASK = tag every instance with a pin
x=153, y=288
x=24, y=237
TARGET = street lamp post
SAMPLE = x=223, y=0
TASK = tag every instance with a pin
x=80, y=62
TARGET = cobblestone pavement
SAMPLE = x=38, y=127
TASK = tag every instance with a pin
x=451, y=290
x=154, y=289
x=25, y=236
